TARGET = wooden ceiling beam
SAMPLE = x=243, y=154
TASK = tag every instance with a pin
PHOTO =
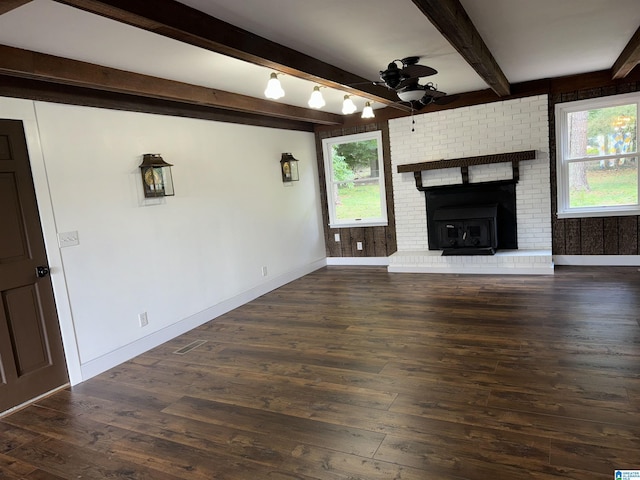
x=628, y=59
x=181, y=22
x=8, y=5
x=43, y=91
x=17, y=62
x=450, y=18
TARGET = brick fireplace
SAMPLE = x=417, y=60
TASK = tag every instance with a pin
x=482, y=130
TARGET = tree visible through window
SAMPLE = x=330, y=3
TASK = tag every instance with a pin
x=597, y=156
x=355, y=179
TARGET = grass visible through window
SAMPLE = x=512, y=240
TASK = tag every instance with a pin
x=607, y=188
x=360, y=201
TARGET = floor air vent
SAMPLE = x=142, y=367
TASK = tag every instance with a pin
x=191, y=346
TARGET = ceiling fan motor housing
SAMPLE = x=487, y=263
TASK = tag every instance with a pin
x=398, y=77
x=392, y=76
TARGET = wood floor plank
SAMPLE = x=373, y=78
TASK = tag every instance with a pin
x=41, y=475
x=12, y=437
x=68, y=461
x=595, y=459
x=509, y=460
x=307, y=393
x=83, y=430
x=353, y=373
x=12, y=469
x=439, y=458
x=513, y=420
x=417, y=372
x=101, y=388
x=543, y=379
x=633, y=390
x=251, y=389
x=259, y=359
x=616, y=411
x=221, y=440
x=601, y=384
x=330, y=464
x=148, y=452
x=313, y=432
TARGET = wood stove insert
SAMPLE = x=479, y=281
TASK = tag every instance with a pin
x=467, y=230
x=473, y=218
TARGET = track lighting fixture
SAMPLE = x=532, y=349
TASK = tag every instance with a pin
x=367, y=112
x=274, y=90
x=348, y=107
x=316, y=100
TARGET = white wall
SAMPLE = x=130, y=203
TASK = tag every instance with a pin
x=499, y=127
x=182, y=259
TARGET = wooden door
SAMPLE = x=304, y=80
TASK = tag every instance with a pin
x=31, y=355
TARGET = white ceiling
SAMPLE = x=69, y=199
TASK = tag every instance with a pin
x=529, y=40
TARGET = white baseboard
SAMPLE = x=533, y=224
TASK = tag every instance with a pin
x=105, y=362
x=365, y=261
x=598, y=260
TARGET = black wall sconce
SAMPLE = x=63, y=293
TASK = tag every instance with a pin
x=157, y=180
x=289, y=168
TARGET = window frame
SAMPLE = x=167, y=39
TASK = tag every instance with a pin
x=563, y=160
x=331, y=184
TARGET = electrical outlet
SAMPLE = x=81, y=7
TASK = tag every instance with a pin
x=143, y=319
x=264, y=271
x=68, y=239
x=336, y=237
x=359, y=245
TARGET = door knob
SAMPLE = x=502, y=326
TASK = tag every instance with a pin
x=42, y=271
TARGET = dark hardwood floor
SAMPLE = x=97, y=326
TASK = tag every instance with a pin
x=358, y=374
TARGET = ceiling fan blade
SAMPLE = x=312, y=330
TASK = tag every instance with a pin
x=409, y=60
x=445, y=100
x=418, y=71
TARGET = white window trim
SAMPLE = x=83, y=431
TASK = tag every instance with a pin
x=327, y=145
x=562, y=111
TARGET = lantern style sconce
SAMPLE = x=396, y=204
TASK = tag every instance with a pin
x=289, y=168
x=156, y=176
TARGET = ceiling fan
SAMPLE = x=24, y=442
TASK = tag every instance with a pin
x=403, y=77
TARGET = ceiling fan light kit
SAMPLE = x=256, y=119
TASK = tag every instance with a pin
x=411, y=95
x=274, y=90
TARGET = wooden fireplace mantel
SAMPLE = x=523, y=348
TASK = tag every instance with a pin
x=464, y=163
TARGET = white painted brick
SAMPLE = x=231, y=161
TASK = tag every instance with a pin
x=499, y=127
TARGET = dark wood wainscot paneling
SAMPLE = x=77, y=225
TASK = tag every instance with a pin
x=376, y=241
x=588, y=236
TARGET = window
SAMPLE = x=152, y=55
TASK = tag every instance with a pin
x=597, y=157
x=354, y=170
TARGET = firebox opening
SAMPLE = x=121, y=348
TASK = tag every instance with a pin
x=467, y=229
x=472, y=219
